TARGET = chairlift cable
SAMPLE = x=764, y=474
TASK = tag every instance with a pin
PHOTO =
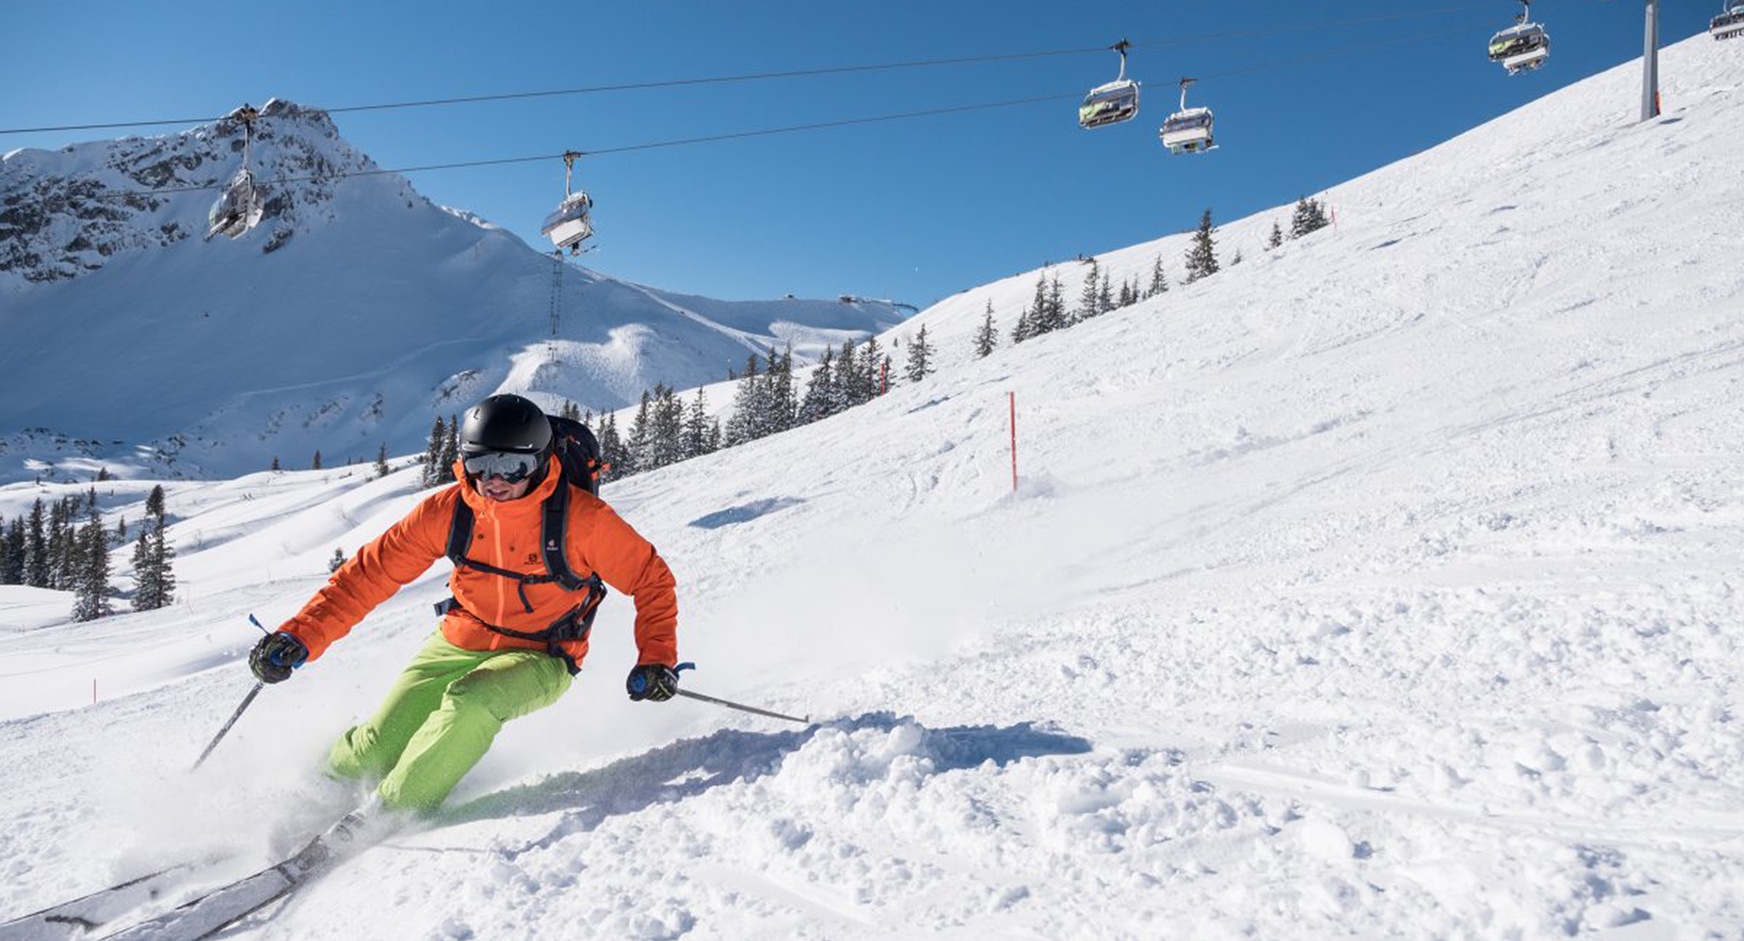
x=766, y=132
x=763, y=132
x=627, y=148
x=794, y=73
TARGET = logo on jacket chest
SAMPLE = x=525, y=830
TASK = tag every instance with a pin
x=530, y=557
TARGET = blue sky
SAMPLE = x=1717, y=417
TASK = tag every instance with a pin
x=1306, y=96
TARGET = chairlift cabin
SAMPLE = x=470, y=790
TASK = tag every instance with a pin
x=569, y=225
x=1523, y=46
x=239, y=208
x=1188, y=130
x=1730, y=24
x=1113, y=102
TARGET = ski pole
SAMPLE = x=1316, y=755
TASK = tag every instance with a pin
x=742, y=707
x=246, y=700
x=730, y=704
x=258, y=686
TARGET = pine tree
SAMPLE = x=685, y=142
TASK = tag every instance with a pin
x=1235, y=259
x=1056, y=304
x=920, y=354
x=1025, y=327
x=144, y=593
x=815, y=402
x=856, y=374
x=1277, y=236
x=695, y=435
x=1104, y=297
x=8, y=561
x=450, y=450
x=12, y=561
x=72, y=549
x=1042, y=320
x=381, y=461
x=1202, y=255
x=668, y=426
x=337, y=560
x=1088, y=303
x=275, y=464
x=818, y=399
x=315, y=464
x=1159, y=281
x=638, y=443
x=874, y=372
x=432, y=458
x=847, y=369
x=36, y=560
x=154, y=584
x=987, y=337
x=743, y=423
x=154, y=579
x=612, y=449
x=91, y=586
x=60, y=574
x=1309, y=216
x=782, y=401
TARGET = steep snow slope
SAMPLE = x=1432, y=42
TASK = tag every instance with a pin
x=1382, y=587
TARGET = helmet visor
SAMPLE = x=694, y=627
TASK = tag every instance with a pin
x=511, y=466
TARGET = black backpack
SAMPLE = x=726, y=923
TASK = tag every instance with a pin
x=576, y=447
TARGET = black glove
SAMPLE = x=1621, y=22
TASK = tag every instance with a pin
x=654, y=681
x=277, y=654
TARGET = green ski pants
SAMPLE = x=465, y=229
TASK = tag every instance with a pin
x=440, y=718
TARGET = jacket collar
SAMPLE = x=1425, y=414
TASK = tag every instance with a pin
x=527, y=505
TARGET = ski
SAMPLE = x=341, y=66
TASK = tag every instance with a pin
x=79, y=916
x=213, y=910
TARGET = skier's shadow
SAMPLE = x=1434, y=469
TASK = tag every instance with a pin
x=689, y=767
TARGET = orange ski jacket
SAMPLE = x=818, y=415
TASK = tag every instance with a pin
x=505, y=535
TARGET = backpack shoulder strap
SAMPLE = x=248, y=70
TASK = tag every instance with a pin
x=460, y=531
x=553, y=532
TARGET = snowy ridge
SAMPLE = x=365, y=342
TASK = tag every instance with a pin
x=1382, y=586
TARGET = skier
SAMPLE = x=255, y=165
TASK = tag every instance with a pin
x=510, y=639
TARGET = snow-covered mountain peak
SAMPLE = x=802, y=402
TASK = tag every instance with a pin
x=349, y=317
x=71, y=211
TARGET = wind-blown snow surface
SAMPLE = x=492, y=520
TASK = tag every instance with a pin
x=1382, y=586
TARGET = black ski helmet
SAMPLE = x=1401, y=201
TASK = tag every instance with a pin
x=506, y=423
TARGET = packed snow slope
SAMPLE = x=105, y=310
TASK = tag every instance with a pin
x=1381, y=586
x=355, y=314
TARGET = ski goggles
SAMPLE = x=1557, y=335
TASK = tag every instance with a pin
x=511, y=466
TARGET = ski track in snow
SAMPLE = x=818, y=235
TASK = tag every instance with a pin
x=1384, y=586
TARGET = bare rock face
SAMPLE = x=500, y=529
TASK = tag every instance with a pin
x=66, y=212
